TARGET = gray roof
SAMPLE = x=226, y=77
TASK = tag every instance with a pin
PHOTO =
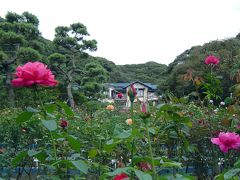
x=125, y=85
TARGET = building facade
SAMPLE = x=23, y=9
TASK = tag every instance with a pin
x=145, y=92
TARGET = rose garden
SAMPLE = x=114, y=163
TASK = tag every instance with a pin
x=181, y=140
x=46, y=135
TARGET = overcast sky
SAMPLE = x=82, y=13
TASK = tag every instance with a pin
x=137, y=31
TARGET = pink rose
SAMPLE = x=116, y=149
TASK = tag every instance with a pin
x=211, y=60
x=33, y=73
x=226, y=141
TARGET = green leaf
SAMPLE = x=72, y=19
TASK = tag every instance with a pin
x=74, y=143
x=19, y=158
x=41, y=156
x=231, y=173
x=33, y=152
x=137, y=133
x=177, y=177
x=142, y=176
x=57, y=135
x=119, y=170
x=23, y=117
x=63, y=163
x=219, y=177
x=117, y=130
x=33, y=110
x=237, y=164
x=165, y=162
x=66, y=108
x=50, y=108
x=125, y=134
x=81, y=166
x=51, y=116
x=51, y=125
x=152, y=130
x=92, y=153
x=120, y=133
x=171, y=164
x=109, y=146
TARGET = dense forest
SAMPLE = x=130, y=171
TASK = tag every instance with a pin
x=82, y=76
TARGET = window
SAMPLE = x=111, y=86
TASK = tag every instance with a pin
x=140, y=92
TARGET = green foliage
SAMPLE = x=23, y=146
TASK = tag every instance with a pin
x=3, y=56
x=51, y=125
x=177, y=137
x=25, y=116
x=56, y=59
x=81, y=165
x=148, y=72
x=26, y=54
x=228, y=52
x=9, y=39
x=212, y=87
x=72, y=38
x=30, y=18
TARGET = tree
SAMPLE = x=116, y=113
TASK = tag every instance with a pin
x=16, y=31
x=72, y=43
x=94, y=76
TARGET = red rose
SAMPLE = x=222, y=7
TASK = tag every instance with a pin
x=120, y=95
x=132, y=93
x=133, y=90
x=145, y=166
x=120, y=176
x=63, y=123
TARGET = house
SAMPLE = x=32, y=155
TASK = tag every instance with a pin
x=145, y=92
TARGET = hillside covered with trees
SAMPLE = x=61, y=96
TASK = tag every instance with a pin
x=192, y=60
x=171, y=78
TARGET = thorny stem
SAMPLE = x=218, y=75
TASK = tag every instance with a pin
x=54, y=147
x=132, y=152
x=151, y=152
x=35, y=89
